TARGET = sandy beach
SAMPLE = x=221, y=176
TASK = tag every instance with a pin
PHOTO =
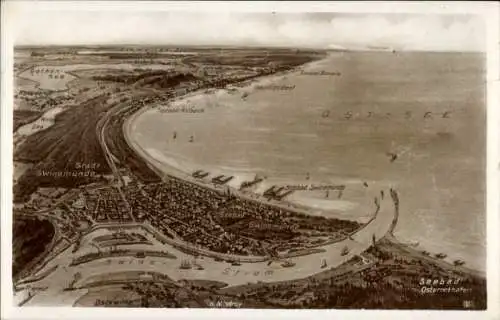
x=213, y=100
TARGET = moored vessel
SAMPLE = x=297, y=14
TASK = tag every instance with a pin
x=185, y=265
x=287, y=264
x=323, y=264
x=345, y=251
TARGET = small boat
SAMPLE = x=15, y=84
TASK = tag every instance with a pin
x=440, y=255
x=279, y=197
x=458, y=262
x=392, y=156
x=287, y=264
x=323, y=264
x=244, y=95
x=175, y=135
x=413, y=244
x=236, y=263
x=196, y=173
x=200, y=174
x=269, y=191
x=344, y=251
x=200, y=268
x=191, y=139
x=247, y=184
x=425, y=253
x=185, y=265
x=327, y=194
x=218, y=259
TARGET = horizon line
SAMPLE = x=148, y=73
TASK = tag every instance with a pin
x=251, y=46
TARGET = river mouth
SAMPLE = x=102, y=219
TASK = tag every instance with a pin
x=340, y=130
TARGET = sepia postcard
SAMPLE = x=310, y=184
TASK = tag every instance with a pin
x=170, y=157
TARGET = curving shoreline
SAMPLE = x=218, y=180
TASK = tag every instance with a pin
x=380, y=226
x=163, y=169
x=170, y=165
x=241, y=132
x=403, y=230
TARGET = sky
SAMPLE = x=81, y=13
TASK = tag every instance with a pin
x=428, y=32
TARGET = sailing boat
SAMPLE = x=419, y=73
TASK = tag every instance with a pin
x=440, y=255
x=236, y=263
x=458, y=262
x=197, y=265
x=185, y=265
x=323, y=264
x=288, y=264
x=175, y=135
x=345, y=251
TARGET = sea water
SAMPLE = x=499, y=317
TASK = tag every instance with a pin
x=410, y=120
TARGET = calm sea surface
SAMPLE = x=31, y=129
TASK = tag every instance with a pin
x=341, y=129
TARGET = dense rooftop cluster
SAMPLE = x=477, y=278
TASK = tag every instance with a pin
x=224, y=223
x=209, y=219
